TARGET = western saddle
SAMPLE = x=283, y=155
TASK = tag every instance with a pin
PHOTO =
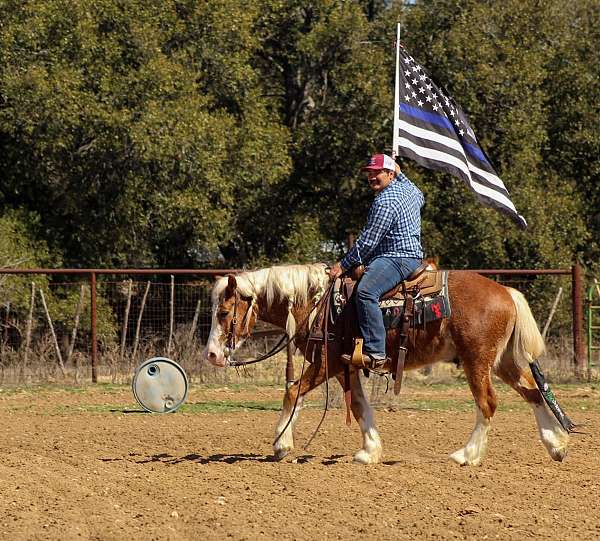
x=342, y=314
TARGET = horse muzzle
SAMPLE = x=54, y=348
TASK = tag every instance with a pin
x=218, y=358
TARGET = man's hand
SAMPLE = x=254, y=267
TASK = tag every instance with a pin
x=336, y=271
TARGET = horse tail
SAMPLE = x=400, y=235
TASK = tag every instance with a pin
x=528, y=343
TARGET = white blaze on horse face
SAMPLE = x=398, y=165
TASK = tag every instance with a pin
x=214, y=351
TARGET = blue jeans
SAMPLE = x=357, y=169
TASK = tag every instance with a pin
x=381, y=275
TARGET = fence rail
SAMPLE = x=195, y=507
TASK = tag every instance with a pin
x=138, y=311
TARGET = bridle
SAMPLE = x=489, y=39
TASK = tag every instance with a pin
x=231, y=335
x=230, y=339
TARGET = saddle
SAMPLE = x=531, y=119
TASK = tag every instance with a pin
x=423, y=279
x=416, y=301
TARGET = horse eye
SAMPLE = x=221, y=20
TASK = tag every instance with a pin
x=223, y=314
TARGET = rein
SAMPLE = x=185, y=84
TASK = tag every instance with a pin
x=321, y=306
x=283, y=341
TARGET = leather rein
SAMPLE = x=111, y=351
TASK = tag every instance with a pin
x=321, y=309
x=283, y=342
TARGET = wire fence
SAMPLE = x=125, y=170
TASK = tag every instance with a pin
x=50, y=329
x=47, y=331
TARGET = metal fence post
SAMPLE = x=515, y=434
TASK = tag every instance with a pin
x=577, y=298
x=93, y=325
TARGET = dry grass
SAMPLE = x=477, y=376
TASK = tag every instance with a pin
x=40, y=365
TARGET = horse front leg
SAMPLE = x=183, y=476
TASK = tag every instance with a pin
x=292, y=403
x=372, y=451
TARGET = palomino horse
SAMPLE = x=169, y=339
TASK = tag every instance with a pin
x=491, y=329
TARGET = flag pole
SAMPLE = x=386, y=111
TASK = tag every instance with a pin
x=396, y=135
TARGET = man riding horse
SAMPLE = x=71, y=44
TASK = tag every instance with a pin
x=389, y=247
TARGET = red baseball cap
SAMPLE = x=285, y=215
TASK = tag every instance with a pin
x=378, y=162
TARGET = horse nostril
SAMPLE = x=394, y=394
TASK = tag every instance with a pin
x=212, y=356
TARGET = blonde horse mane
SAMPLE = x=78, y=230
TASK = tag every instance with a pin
x=298, y=285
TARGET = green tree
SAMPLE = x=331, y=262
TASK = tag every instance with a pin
x=135, y=129
x=573, y=85
x=153, y=133
x=20, y=248
x=325, y=72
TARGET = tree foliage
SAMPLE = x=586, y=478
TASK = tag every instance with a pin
x=167, y=133
x=131, y=126
x=20, y=248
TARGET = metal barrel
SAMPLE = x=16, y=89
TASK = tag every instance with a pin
x=160, y=385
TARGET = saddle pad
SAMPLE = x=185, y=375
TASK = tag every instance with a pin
x=427, y=308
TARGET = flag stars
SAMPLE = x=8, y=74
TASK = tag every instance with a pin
x=407, y=85
x=441, y=108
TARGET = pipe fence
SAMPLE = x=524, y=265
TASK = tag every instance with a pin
x=104, y=322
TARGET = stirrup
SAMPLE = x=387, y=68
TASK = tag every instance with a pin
x=366, y=362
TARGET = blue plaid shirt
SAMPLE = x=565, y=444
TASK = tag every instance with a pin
x=393, y=226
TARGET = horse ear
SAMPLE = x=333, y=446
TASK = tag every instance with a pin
x=231, y=285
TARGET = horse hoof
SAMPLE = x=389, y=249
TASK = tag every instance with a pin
x=362, y=457
x=280, y=454
x=460, y=458
x=558, y=454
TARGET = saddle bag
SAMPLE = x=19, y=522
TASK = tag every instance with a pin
x=426, y=310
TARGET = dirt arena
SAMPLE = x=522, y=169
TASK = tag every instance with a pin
x=85, y=463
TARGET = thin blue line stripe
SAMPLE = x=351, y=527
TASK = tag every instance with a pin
x=475, y=151
x=437, y=120
x=427, y=117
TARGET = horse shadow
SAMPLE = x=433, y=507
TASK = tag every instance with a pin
x=170, y=460
x=234, y=458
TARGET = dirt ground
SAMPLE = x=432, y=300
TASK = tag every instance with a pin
x=86, y=463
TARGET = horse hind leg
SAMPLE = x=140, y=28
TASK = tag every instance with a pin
x=554, y=437
x=478, y=374
x=371, y=451
x=527, y=344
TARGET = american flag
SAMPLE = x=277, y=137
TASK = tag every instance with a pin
x=433, y=130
